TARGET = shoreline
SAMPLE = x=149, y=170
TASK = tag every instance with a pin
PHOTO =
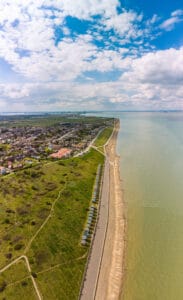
x=103, y=276
x=111, y=273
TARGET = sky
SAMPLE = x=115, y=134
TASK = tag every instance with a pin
x=64, y=55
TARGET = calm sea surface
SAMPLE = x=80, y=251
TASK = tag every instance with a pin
x=151, y=149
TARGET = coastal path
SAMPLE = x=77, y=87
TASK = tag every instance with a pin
x=93, y=267
x=97, y=248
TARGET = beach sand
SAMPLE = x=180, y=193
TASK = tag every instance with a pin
x=111, y=270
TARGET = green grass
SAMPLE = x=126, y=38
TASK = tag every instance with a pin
x=18, y=283
x=16, y=272
x=103, y=137
x=19, y=290
x=55, y=255
x=62, y=282
x=49, y=120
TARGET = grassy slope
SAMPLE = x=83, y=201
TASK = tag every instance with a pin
x=56, y=254
x=103, y=137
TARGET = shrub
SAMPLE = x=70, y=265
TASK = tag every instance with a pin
x=34, y=274
x=43, y=213
x=16, y=239
x=18, y=246
x=7, y=237
x=2, y=285
x=24, y=283
x=34, y=188
x=10, y=211
x=22, y=211
x=8, y=255
x=6, y=221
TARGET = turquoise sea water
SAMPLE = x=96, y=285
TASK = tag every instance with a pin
x=151, y=150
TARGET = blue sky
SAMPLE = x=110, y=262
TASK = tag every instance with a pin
x=91, y=55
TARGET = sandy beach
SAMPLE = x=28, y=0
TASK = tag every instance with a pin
x=104, y=270
x=111, y=269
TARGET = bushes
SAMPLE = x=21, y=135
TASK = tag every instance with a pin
x=8, y=255
x=18, y=246
x=3, y=285
x=6, y=221
x=34, y=274
x=34, y=188
x=51, y=186
x=22, y=211
x=17, y=239
x=24, y=283
x=41, y=257
x=43, y=213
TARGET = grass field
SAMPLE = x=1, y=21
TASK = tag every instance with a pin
x=19, y=284
x=103, y=138
x=43, y=211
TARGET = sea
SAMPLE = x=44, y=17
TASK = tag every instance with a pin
x=150, y=145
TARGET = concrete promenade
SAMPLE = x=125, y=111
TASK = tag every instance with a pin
x=90, y=283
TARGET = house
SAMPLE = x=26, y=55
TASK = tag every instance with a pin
x=63, y=152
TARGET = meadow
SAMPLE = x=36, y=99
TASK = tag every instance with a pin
x=103, y=138
x=43, y=211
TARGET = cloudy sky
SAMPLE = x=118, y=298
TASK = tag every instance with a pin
x=91, y=55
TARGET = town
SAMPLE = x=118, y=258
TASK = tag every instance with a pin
x=22, y=146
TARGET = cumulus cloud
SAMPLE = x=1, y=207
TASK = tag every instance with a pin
x=27, y=38
x=51, y=66
x=123, y=24
x=153, y=80
x=157, y=77
x=83, y=9
x=165, y=67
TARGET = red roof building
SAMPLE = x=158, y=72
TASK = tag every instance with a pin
x=63, y=152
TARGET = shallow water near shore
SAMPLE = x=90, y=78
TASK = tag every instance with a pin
x=151, y=150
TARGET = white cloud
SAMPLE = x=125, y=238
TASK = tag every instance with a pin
x=160, y=67
x=124, y=24
x=176, y=17
x=154, y=19
x=152, y=81
x=170, y=23
x=83, y=9
x=27, y=43
x=156, y=77
x=178, y=12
